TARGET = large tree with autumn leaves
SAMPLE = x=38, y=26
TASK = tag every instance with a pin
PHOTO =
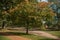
x=25, y=13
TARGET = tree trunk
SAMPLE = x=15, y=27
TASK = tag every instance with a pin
x=3, y=25
x=27, y=27
x=27, y=30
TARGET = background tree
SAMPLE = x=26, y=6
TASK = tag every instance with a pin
x=46, y=12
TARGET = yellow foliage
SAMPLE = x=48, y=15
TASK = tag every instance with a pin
x=43, y=4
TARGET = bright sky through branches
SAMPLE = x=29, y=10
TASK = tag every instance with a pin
x=43, y=0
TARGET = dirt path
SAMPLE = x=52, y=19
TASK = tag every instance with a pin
x=45, y=34
x=17, y=38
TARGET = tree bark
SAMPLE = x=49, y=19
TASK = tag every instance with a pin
x=3, y=24
x=27, y=28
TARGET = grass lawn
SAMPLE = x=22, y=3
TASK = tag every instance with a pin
x=3, y=38
x=56, y=33
x=34, y=37
x=30, y=36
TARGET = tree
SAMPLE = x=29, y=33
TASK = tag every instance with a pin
x=25, y=13
x=6, y=7
x=46, y=12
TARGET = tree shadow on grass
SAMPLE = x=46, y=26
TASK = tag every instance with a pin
x=20, y=34
x=13, y=33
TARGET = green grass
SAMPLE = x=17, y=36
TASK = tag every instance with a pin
x=3, y=38
x=56, y=33
x=34, y=37
x=30, y=36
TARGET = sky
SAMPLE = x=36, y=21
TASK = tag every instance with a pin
x=43, y=0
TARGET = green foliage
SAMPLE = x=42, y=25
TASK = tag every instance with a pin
x=25, y=14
